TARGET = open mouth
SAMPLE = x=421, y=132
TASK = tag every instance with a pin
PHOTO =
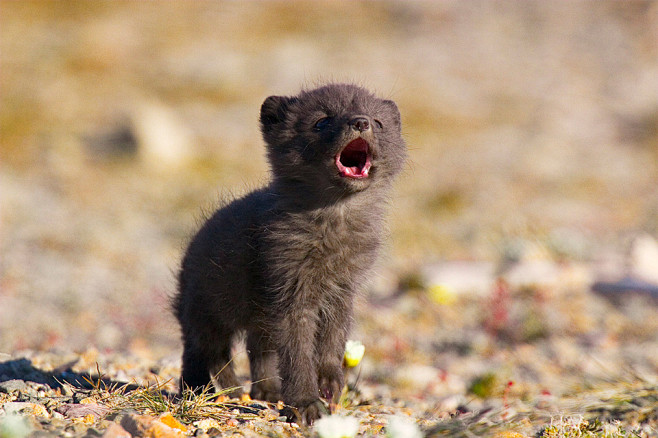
x=354, y=160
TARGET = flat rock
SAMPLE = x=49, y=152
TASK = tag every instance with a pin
x=13, y=385
x=76, y=410
x=27, y=408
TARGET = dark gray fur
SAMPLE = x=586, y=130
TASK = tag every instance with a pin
x=284, y=262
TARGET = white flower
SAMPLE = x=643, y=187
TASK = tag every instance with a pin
x=402, y=427
x=354, y=351
x=336, y=426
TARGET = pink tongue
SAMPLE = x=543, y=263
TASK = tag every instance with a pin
x=355, y=172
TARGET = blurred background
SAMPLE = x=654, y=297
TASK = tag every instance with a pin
x=533, y=136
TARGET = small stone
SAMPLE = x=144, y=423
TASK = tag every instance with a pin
x=170, y=421
x=509, y=434
x=145, y=426
x=78, y=396
x=136, y=425
x=207, y=424
x=26, y=408
x=116, y=431
x=116, y=417
x=269, y=414
x=40, y=410
x=164, y=140
x=89, y=419
x=50, y=404
x=76, y=410
x=13, y=385
x=76, y=428
x=93, y=433
x=644, y=258
x=54, y=423
x=67, y=390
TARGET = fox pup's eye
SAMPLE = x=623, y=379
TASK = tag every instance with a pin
x=378, y=123
x=322, y=123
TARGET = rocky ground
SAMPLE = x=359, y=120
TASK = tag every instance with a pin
x=515, y=362
x=517, y=296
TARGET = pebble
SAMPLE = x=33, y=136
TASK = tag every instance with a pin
x=644, y=258
x=13, y=385
x=146, y=426
x=116, y=431
x=170, y=421
x=67, y=390
x=26, y=408
x=76, y=410
x=207, y=424
x=76, y=428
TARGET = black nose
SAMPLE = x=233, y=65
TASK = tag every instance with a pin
x=360, y=124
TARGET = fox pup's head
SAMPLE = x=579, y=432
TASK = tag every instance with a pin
x=334, y=140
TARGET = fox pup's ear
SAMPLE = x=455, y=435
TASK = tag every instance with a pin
x=393, y=111
x=274, y=110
